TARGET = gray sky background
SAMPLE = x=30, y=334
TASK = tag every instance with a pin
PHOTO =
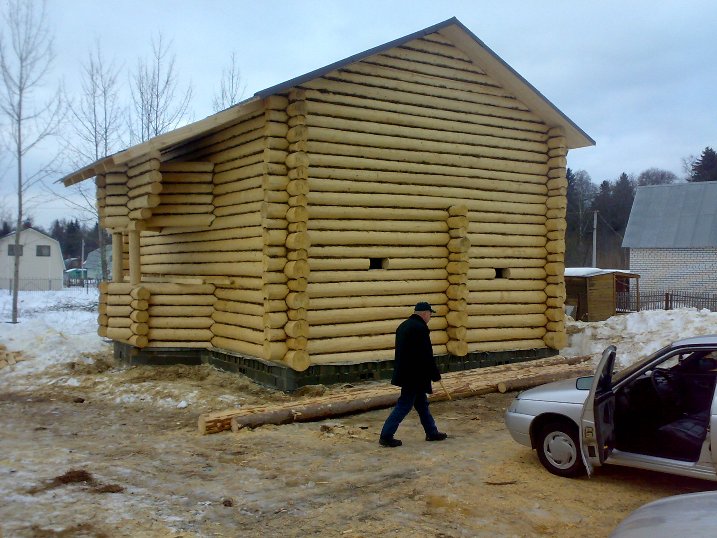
x=638, y=76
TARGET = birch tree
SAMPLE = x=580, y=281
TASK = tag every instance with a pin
x=231, y=88
x=26, y=56
x=98, y=125
x=158, y=101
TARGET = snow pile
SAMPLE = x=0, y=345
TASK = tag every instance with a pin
x=638, y=334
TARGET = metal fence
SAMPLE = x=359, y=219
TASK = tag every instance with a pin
x=665, y=300
x=50, y=284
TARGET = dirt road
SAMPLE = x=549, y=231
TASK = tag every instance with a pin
x=76, y=460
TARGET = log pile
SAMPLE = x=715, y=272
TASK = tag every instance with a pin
x=458, y=384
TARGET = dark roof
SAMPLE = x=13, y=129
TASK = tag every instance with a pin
x=683, y=215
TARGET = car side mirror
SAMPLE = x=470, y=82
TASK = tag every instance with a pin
x=584, y=383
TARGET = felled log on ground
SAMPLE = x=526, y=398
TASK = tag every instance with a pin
x=459, y=384
x=522, y=383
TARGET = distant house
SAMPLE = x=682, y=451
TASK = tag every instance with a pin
x=93, y=264
x=41, y=265
x=672, y=237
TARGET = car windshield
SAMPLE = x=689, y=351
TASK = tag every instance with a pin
x=636, y=366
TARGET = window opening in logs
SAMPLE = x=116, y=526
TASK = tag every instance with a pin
x=377, y=263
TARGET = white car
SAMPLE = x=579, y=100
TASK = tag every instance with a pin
x=691, y=513
x=659, y=413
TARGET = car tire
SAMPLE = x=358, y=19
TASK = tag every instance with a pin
x=559, y=449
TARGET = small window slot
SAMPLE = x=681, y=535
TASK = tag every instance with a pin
x=377, y=263
x=499, y=272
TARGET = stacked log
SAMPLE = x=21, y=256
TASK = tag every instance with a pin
x=178, y=314
x=393, y=141
x=209, y=210
x=102, y=316
x=272, y=339
x=112, y=199
x=126, y=313
x=144, y=183
x=557, y=184
x=296, y=270
x=457, y=269
x=185, y=195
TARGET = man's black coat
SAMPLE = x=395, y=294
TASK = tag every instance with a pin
x=414, y=366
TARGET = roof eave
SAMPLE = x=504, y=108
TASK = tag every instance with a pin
x=512, y=81
x=164, y=141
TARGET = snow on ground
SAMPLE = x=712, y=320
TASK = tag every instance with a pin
x=60, y=327
x=53, y=327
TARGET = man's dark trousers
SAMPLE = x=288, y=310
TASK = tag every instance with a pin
x=410, y=397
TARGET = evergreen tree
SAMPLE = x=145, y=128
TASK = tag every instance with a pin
x=705, y=168
x=623, y=194
x=581, y=191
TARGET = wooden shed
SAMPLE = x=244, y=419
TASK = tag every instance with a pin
x=291, y=233
x=597, y=294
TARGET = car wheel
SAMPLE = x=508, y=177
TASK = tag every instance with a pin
x=559, y=449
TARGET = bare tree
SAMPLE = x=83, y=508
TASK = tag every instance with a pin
x=687, y=164
x=25, y=58
x=231, y=88
x=99, y=128
x=656, y=176
x=158, y=103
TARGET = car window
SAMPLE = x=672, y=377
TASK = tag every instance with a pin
x=636, y=366
x=671, y=362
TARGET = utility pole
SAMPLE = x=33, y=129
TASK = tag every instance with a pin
x=595, y=214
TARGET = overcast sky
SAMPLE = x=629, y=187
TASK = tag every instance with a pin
x=639, y=77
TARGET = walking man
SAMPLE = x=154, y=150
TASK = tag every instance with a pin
x=414, y=369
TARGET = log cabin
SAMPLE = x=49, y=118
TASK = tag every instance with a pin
x=287, y=236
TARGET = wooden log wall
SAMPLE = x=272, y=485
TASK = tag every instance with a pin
x=557, y=204
x=143, y=187
x=395, y=145
x=221, y=167
x=184, y=195
x=321, y=220
x=457, y=268
x=248, y=160
x=179, y=315
x=126, y=313
x=297, y=270
x=157, y=314
x=112, y=199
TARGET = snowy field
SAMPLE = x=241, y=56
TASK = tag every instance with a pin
x=52, y=326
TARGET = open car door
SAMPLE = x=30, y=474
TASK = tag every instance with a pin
x=597, y=435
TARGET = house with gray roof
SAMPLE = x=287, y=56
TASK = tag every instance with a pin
x=93, y=264
x=672, y=237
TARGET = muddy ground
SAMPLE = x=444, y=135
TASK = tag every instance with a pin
x=98, y=451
